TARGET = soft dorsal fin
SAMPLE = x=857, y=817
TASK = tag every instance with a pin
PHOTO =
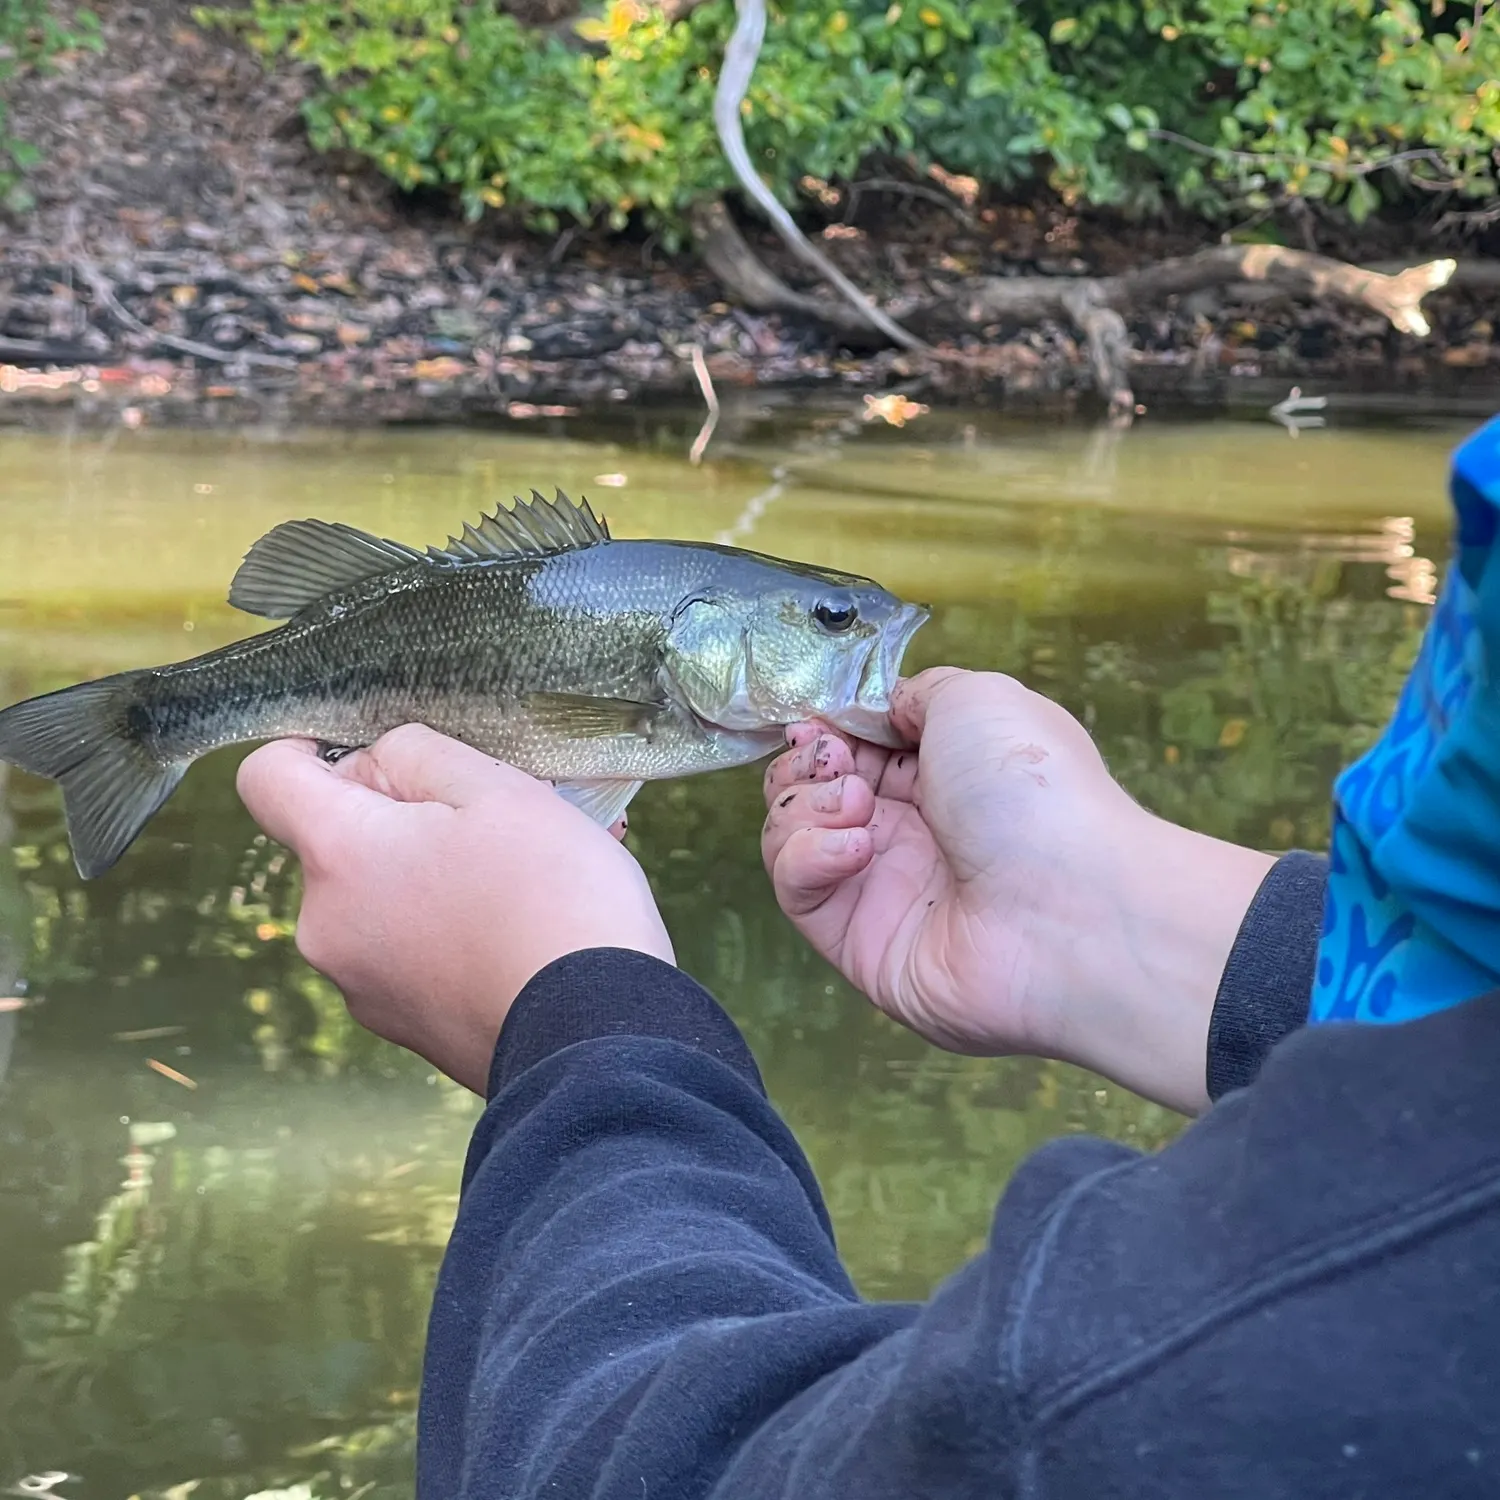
x=536, y=526
x=300, y=561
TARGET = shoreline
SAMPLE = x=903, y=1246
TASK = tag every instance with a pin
x=190, y=258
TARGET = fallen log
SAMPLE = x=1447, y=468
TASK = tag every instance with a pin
x=1095, y=306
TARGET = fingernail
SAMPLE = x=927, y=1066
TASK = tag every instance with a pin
x=836, y=840
x=820, y=753
x=829, y=797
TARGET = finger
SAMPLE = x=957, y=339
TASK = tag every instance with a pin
x=619, y=828
x=416, y=764
x=815, y=863
x=294, y=795
x=798, y=735
x=893, y=773
x=848, y=802
x=824, y=758
x=913, y=698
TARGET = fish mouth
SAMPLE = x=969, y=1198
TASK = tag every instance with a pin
x=869, y=716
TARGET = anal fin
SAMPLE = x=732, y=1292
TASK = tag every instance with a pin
x=604, y=801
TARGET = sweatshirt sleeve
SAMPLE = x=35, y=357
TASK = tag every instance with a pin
x=642, y=1286
x=1266, y=987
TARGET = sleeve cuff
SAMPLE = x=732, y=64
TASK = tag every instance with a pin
x=1267, y=983
x=604, y=992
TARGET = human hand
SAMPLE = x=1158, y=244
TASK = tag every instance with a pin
x=437, y=882
x=997, y=891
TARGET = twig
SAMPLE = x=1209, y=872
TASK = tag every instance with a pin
x=910, y=190
x=740, y=57
x=105, y=295
x=170, y=1072
x=711, y=400
x=1291, y=158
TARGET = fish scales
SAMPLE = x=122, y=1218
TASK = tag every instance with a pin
x=461, y=651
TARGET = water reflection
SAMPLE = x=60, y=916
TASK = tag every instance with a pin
x=225, y=1278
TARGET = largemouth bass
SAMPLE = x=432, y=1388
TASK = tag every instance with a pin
x=593, y=663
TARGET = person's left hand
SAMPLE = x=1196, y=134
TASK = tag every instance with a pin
x=437, y=882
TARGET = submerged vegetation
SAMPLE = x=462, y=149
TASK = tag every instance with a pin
x=1220, y=107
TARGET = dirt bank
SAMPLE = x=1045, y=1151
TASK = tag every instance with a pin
x=188, y=251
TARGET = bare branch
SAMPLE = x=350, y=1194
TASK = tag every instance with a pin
x=105, y=294
x=1094, y=304
x=910, y=190
x=1395, y=297
x=740, y=57
x=1108, y=345
x=751, y=282
x=710, y=400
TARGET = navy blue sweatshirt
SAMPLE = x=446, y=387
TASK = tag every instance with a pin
x=1300, y=1297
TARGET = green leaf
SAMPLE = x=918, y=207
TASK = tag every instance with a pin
x=1363, y=200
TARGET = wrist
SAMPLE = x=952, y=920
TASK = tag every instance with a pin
x=1149, y=971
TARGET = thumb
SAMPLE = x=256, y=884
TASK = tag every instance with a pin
x=417, y=764
x=913, y=698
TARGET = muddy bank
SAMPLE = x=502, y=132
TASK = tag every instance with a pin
x=190, y=258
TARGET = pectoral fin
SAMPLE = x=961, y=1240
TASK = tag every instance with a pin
x=604, y=801
x=580, y=717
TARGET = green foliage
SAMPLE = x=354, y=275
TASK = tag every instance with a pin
x=1216, y=104
x=33, y=34
x=462, y=96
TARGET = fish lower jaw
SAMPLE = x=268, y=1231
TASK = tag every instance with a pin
x=870, y=724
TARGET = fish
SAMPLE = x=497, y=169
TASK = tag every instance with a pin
x=593, y=662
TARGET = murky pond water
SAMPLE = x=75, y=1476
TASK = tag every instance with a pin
x=222, y=1206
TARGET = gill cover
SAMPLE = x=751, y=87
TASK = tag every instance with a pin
x=707, y=656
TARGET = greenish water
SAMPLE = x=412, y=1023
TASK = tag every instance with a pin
x=229, y=1283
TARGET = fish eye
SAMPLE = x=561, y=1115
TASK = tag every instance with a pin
x=835, y=615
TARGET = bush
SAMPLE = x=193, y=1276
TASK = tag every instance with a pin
x=32, y=34
x=1217, y=105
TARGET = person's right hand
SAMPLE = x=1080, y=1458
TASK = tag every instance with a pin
x=438, y=882
x=997, y=891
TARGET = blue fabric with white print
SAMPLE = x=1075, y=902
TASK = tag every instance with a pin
x=1412, y=916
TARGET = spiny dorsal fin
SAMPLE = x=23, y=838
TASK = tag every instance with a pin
x=300, y=561
x=533, y=528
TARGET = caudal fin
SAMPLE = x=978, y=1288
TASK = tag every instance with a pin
x=82, y=738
